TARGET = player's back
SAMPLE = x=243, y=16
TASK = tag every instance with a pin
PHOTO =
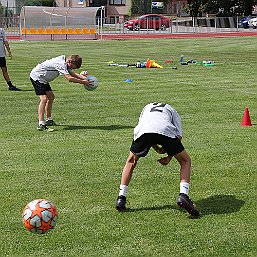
x=156, y=112
x=158, y=118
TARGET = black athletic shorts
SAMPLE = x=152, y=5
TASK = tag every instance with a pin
x=142, y=145
x=2, y=62
x=40, y=88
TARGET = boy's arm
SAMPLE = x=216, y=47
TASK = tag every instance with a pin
x=165, y=160
x=76, y=79
x=158, y=149
x=179, y=137
x=7, y=46
x=177, y=122
x=77, y=75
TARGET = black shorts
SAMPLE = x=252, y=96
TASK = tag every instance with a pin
x=2, y=62
x=40, y=88
x=142, y=145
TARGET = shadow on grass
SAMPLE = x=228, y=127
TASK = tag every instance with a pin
x=108, y=127
x=216, y=204
x=27, y=90
x=219, y=204
x=153, y=208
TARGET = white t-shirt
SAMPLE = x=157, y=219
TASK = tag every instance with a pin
x=2, y=46
x=158, y=118
x=48, y=70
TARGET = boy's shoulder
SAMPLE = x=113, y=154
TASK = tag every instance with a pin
x=60, y=58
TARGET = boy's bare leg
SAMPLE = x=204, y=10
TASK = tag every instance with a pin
x=185, y=170
x=5, y=74
x=125, y=179
x=41, y=108
x=185, y=166
x=128, y=169
x=49, y=103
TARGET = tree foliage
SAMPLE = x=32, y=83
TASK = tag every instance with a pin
x=39, y=2
x=224, y=8
x=140, y=7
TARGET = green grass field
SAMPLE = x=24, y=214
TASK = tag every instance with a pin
x=78, y=166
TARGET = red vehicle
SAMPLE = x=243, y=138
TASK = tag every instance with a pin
x=148, y=21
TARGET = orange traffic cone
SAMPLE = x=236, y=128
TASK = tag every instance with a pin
x=246, y=121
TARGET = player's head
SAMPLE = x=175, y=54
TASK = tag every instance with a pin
x=75, y=61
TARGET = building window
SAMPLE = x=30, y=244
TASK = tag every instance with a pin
x=117, y=2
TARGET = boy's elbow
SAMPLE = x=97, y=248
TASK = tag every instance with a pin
x=69, y=78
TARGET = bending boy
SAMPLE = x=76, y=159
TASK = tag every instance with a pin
x=46, y=72
x=159, y=127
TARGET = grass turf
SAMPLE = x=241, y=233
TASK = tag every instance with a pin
x=78, y=166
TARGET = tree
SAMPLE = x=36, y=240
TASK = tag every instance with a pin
x=247, y=6
x=195, y=7
x=39, y=3
x=223, y=8
x=140, y=7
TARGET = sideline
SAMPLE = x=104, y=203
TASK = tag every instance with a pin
x=156, y=35
x=176, y=35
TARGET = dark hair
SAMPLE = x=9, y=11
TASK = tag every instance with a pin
x=76, y=59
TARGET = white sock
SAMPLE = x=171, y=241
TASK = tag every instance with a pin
x=184, y=188
x=49, y=118
x=41, y=122
x=123, y=190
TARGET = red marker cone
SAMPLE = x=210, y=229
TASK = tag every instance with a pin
x=246, y=121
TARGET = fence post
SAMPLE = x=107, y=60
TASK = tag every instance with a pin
x=101, y=23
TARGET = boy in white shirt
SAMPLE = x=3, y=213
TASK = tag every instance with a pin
x=5, y=45
x=159, y=127
x=46, y=72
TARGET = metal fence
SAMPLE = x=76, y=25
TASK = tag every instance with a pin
x=182, y=25
x=10, y=24
x=178, y=25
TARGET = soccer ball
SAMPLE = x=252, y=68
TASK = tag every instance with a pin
x=93, y=83
x=39, y=216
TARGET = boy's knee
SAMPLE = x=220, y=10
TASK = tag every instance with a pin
x=43, y=100
x=132, y=159
x=51, y=97
x=183, y=158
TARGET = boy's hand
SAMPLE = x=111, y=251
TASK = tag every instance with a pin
x=160, y=150
x=10, y=55
x=86, y=82
x=165, y=160
x=84, y=73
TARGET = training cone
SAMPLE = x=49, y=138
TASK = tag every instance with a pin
x=246, y=121
x=149, y=63
x=156, y=65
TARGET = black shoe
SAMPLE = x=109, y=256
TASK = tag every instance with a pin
x=120, y=203
x=185, y=202
x=44, y=128
x=50, y=123
x=14, y=88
